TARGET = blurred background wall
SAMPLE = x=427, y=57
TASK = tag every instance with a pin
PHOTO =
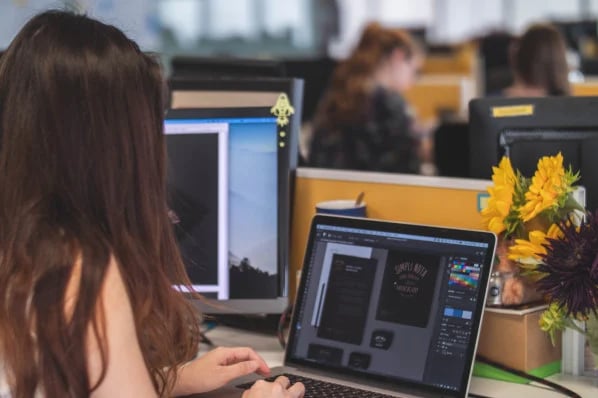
x=275, y=28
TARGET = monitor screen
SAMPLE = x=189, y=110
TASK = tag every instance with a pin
x=526, y=129
x=229, y=179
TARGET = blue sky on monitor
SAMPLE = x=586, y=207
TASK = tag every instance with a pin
x=253, y=175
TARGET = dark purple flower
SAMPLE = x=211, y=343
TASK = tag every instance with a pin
x=570, y=268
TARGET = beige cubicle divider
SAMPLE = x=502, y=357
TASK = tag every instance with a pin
x=452, y=202
x=222, y=99
x=586, y=88
x=462, y=60
x=435, y=95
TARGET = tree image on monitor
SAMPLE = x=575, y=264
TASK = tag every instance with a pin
x=407, y=288
x=248, y=281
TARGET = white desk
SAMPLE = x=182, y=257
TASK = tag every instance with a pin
x=269, y=348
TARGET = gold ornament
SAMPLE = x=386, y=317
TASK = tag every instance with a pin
x=282, y=110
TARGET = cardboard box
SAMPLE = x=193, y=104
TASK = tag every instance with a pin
x=514, y=338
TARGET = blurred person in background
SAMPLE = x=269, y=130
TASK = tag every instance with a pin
x=539, y=63
x=363, y=121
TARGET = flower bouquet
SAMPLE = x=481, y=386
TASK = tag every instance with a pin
x=553, y=241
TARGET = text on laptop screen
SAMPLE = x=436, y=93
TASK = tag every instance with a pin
x=395, y=305
x=223, y=175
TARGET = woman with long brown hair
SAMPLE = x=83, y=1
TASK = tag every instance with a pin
x=87, y=254
x=362, y=122
x=539, y=63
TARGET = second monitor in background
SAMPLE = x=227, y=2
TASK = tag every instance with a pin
x=526, y=129
x=210, y=67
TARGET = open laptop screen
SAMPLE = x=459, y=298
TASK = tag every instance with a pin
x=397, y=302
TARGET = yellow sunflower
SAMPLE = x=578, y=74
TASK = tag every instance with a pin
x=549, y=184
x=528, y=252
x=501, y=196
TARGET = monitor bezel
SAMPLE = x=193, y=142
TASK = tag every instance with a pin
x=288, y=163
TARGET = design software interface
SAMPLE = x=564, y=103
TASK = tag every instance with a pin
x=381, y=299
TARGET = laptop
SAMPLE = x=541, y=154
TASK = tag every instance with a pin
x=388, y=308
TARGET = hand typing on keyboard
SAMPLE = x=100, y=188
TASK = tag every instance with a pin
x=279, y=388
x=313, y=388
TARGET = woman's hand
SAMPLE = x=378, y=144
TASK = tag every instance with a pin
x=218, y=367
x=279, y=388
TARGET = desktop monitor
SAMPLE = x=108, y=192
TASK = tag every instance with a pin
x=238, y=93
x=526, y=129
x=202, y=67
x=230, y=182
x=451, y=149
x=575, y=32
x=316, y=74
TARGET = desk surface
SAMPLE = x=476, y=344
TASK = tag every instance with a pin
x=269, y=348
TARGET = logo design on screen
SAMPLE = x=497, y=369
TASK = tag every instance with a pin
x=408, y=276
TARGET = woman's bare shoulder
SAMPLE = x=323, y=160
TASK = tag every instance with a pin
x=125, y=369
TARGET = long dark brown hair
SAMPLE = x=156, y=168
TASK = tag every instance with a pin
x=346, y=98
x=82, y=178
x=539, y=59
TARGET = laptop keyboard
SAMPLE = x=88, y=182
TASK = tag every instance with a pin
x=318, y=388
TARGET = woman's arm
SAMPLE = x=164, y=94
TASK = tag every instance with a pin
x=126, y=373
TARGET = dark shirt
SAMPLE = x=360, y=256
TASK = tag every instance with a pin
x=383, y=143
